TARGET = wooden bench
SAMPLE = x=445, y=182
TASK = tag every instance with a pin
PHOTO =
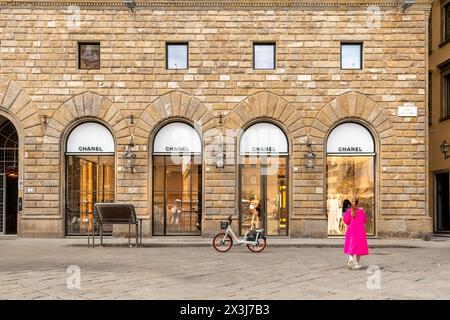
x=116, y=213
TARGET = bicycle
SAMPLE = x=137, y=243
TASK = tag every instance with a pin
x=253, y=238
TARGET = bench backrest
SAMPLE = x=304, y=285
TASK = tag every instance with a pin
x=115, y=213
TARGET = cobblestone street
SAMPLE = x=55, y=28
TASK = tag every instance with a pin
x=37, y=269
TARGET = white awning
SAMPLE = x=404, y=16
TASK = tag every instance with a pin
x=177, y=137
x=350, y=139
x=264, y=139
x=90, y=138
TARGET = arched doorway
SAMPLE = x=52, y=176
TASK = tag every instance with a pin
x=351, y=159
x=177, y=180
x=263, y=179
x=9, y=153
x=90, y=174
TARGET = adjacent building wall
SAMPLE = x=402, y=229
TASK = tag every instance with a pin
x=439, y=129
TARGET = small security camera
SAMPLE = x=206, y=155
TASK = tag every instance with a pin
x=407, y=4
x=130, y=4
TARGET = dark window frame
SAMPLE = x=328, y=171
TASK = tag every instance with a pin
x=445, y=94
x=361, y=50
x=81, y=43
x=184, y=43
x=430, y=98
x=274, y=44
x=445, y=34
x=430, y=33
x=445, y=83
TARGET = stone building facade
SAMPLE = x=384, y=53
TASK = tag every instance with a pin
x=45, y=96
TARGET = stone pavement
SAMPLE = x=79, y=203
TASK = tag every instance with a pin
x=287, y=269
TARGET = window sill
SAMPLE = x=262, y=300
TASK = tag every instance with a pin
x=444, y=43
x=264, y=70
x=352, y=70
x=444, y=119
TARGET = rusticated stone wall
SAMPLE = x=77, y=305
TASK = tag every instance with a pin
x=307, y=94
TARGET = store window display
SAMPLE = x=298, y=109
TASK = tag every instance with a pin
x=263, y=179
x=350, y=174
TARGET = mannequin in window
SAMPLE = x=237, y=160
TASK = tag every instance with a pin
x=176, y=212
x=333, y=214
x=255, y=208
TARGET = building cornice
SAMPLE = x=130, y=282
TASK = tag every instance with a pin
x=199, y=4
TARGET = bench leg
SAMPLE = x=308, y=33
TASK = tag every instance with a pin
x=101, y=235
x=137, y=234
x=140, y=232
x=129, y=233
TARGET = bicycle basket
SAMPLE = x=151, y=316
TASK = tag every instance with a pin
x=251, y=235
x=223, y=225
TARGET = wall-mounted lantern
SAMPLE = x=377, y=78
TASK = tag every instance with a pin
x=220, y=156
x=128, y=156
x=310, y=156
x=444, y=149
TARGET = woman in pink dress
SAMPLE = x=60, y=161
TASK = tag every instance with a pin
x=355, y=237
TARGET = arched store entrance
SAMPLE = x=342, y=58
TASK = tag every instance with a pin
x=263, y=179
x=9, y=163
x=351, y=159
x=90, y=175
x=177, y=180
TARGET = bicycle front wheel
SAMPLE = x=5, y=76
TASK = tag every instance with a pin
x=222, y=242
x=257, y=247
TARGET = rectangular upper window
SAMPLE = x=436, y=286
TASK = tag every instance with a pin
x=351, y=56
x=446, y=21
x=264, y=56
x=444, y=68
x=88, y=55
x=177, y=55
x=446, y=95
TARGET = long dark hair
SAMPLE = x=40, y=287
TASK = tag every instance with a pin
x=346, y=205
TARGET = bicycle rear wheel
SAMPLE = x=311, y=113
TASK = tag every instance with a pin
x=222, y=242
x=258, y=247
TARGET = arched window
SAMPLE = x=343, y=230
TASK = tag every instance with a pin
x=263, y=179
x=90, y=175
x=350, y=174
x=9, y=152
x=177, y=180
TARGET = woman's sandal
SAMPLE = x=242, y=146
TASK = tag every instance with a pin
x=357, y=266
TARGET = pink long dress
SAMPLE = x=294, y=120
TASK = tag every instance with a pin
x=355, y=237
